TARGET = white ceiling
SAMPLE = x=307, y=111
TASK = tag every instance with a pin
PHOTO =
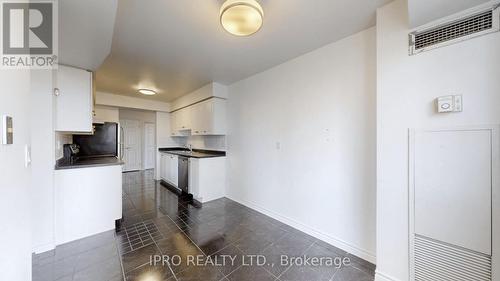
x=421, y=12
x=177, y=46
x=85, y=31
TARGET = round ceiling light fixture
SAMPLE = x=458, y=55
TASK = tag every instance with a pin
x=241, y=17
x=147, y=92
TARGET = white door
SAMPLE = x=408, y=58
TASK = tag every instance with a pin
x=149, y=146
x=131, y=145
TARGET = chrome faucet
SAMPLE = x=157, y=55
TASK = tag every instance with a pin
x=190, y=147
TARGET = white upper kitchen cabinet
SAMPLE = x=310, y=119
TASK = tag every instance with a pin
x=209, y=117
x=180, y=121
x=184, y=119
x=176, y=124
x=74, y=101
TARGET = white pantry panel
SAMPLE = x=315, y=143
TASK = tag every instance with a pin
x=451, y=203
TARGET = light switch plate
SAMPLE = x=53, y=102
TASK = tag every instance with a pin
x=447, y=104
x=7, y=130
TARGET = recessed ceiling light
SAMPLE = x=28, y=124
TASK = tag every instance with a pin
x=241, y=17
x=147, y=92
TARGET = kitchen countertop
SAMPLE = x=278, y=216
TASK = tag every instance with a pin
x=88, y=162
x=197, y=153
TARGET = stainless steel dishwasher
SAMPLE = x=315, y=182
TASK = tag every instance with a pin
x=183, y=172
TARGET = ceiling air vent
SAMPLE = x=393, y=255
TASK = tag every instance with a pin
x=467, y=27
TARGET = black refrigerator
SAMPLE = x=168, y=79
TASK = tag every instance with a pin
x=104, y=141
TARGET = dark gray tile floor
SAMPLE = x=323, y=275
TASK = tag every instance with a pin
x=158, y=223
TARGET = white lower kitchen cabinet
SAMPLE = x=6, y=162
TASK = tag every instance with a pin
x=207, y=178
x=87, y=201
x=169, y=168
x=174, y=164
x=164, y=166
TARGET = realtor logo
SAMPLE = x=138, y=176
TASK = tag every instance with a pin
x=28, y=35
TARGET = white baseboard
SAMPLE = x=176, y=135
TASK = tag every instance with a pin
x=339, y=243
x=379, y=276
x=44, y=248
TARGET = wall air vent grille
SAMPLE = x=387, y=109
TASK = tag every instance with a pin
x=455, y=31
x=435, y=260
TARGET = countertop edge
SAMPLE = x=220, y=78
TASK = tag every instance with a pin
x=207, y=153
x=58, y=167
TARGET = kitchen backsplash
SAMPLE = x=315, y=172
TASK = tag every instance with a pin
x=60, y=140
x=203, y=142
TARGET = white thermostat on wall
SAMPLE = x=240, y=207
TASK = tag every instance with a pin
x=449, y=104
x=7, y=130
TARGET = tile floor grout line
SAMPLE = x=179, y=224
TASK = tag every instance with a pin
x=187, y=236
x=186, y=218
x=161, y=252
x=119, y=256
x=195, y=244
x=283, y=272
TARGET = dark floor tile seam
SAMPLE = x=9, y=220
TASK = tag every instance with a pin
x=226, y=275
x=195, y=245
x=334, y=274
x=169, y=267
x=272, y=275
x=353, y=265
x=137, y=267
x=187, y=236
x=120, y=257
x=92, y=264
x=78, y=252
x=128, y=239
x=283, y=272
x=201, y=251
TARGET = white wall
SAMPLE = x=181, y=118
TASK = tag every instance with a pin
x=202, y=142
x=15, y=208
x=406, y=88
x=425, y=11
x=106, y=114
x=42, y=156
x=140, y=115
x=301, y=143
x=113, y=100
